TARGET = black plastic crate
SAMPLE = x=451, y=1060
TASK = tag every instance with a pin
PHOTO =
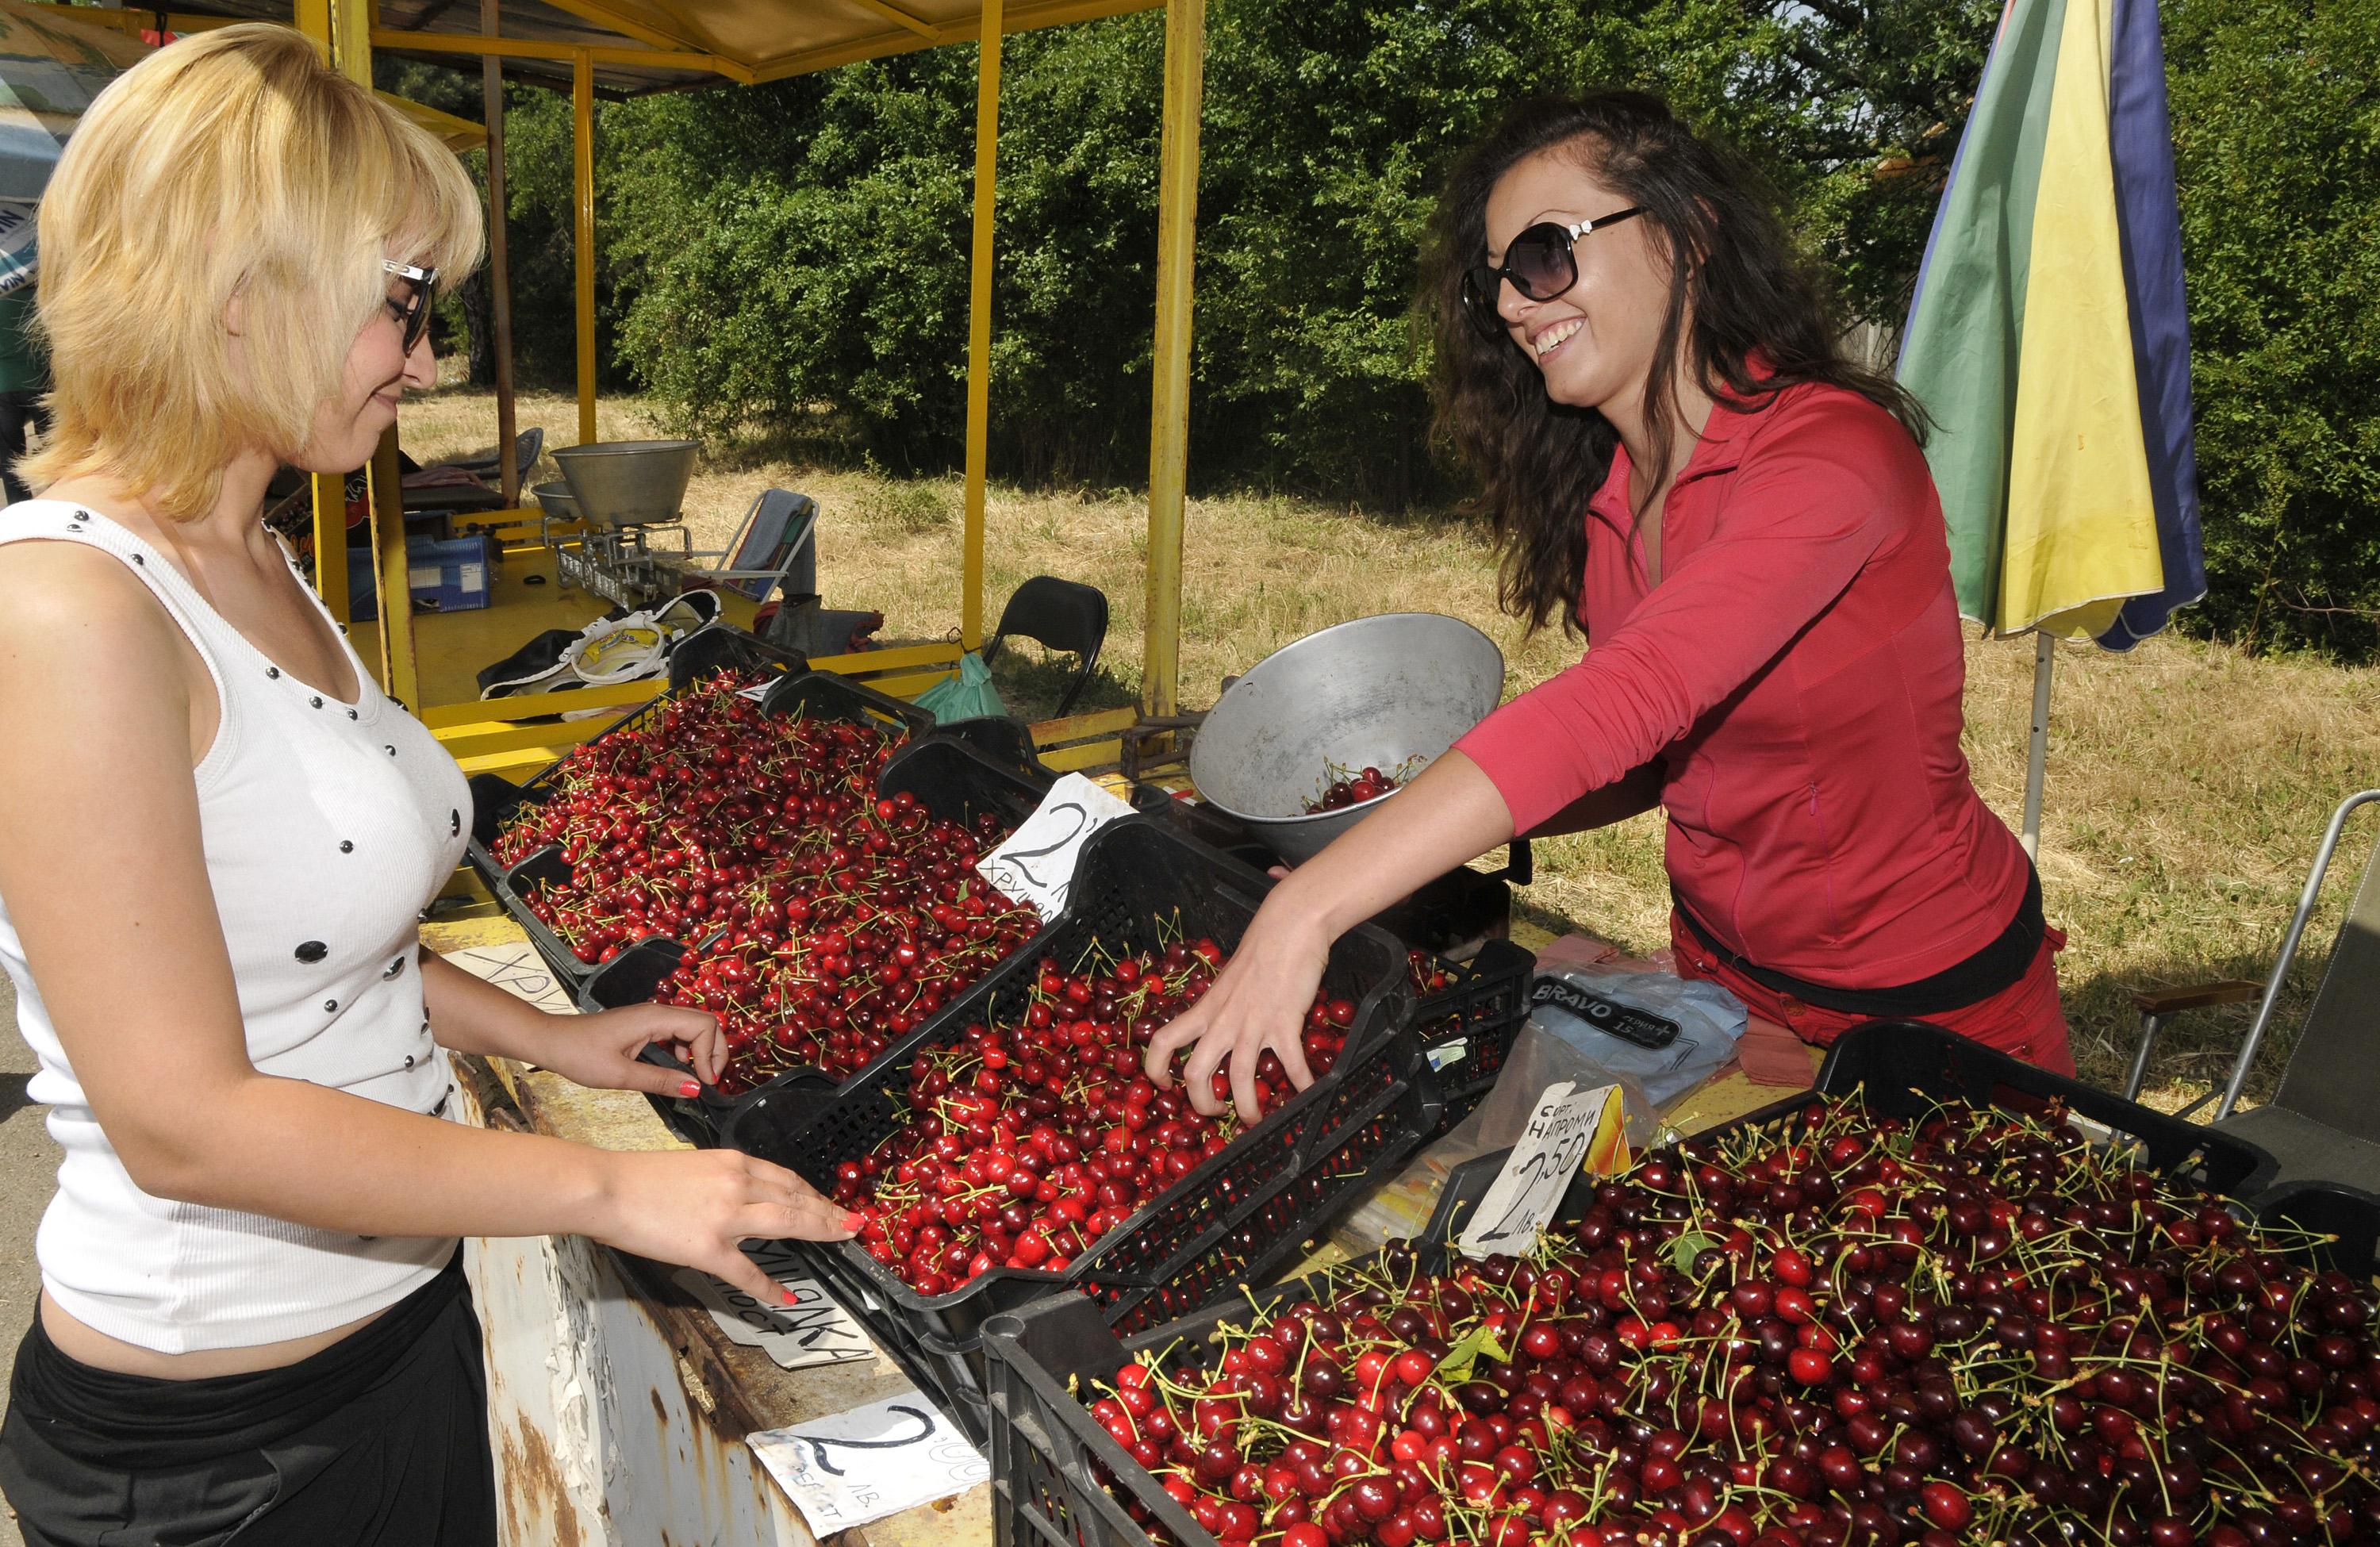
x=725, y=647
x=2329, y=1210
x=1238, y=1218
x=1468, y=1027
x=494, y=799
x=1050, y=1458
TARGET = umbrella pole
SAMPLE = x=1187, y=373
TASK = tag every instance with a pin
x=2036, y=763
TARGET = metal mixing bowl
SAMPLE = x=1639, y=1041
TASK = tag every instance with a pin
x=1372, y=692
x=627, y=483
x=555, y=497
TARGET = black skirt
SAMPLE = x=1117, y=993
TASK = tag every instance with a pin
x=381, y=1438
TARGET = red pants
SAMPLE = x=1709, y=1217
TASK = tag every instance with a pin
x=2023, y=1019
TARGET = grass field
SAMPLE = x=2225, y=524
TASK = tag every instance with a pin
x=2188, y=783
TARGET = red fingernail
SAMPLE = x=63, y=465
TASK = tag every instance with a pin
x=790, y=1297
x=854, y=1223
x=689, y=1088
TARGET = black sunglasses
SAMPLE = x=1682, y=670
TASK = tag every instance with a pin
x=411, y=309
x=1540, y=263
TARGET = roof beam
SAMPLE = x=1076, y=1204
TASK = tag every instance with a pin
x=894, y=14
x=1018, y=18
x=598, y=14
x=515, y=48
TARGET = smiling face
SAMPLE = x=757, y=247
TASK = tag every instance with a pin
x=349, y=425
x=1594, y=342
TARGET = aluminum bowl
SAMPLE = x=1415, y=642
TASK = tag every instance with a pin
x=627, y=483
x=555, y=497
x=1376, y=691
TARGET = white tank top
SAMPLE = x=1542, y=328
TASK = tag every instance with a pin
x=328, y=828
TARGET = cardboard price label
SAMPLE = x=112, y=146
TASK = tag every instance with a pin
x=869, y=1462
x=1036, y=864
x=1572, y=1129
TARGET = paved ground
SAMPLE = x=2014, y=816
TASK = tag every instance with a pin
x=29, y=1171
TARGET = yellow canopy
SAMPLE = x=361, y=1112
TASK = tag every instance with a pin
x=649, y=45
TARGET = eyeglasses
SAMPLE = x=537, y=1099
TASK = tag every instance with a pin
x=1540, y=263
x=412, y=308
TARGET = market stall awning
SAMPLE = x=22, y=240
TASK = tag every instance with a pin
x=654, y=45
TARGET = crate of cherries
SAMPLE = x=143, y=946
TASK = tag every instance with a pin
x=1021, y=1149
x=1883, y=1315
x=772, y=861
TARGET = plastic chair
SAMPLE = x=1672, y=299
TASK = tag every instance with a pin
x=2323, y=1122
x=776, y=543
x=1057, y=614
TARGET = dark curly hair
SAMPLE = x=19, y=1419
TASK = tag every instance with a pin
x=1736, y=289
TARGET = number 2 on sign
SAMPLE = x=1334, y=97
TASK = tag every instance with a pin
x=1068, y=818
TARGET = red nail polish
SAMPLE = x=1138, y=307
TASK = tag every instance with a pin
x=790, y=1298
x=689, y=1088
x=854, y=1223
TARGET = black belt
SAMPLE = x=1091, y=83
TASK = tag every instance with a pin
x=1998, y=966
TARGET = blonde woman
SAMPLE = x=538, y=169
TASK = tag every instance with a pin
x=216, y=839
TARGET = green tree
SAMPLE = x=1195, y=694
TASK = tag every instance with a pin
x=2277, y=143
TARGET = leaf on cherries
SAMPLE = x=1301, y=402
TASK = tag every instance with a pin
x=1455, y=1368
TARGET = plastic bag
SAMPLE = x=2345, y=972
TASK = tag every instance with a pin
x=1400, y=1209
x=1611, y=1017
x=967, y=696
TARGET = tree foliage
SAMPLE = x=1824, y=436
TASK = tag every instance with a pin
x=2276, y=143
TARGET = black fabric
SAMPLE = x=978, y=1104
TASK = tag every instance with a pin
x=1998, y=966
x=380, y=1439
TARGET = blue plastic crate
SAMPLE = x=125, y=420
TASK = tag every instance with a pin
x=448, y=575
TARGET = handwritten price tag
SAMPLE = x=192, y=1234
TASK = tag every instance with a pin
x=811, y=1331
x=869, y=1462
x=1036, y=864
x=1526, y=1193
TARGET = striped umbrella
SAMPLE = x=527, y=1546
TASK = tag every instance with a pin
x=2049, y=340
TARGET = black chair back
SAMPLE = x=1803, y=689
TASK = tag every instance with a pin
x=1057, y=615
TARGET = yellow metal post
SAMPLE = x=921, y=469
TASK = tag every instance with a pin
x=1169, y=434
x=313, y=18
x=582, y=138
x=500, y=277
x=978, y=409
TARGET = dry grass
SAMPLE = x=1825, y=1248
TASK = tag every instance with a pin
x=2188, y=784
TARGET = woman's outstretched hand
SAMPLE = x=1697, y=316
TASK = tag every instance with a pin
x=599, y=1050
x=696, y=1208
x=1259, y=1001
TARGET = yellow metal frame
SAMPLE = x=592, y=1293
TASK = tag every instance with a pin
x=979, y=404
x=483, y=733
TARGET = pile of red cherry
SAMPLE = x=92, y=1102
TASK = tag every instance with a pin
x=1342, y=787
x=1971, y=1328
x=822, y=922
x=1030, y=1138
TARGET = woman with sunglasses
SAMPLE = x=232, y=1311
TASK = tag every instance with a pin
x=1681, y=463
x=216, y=836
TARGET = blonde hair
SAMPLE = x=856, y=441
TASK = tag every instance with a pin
x=232, y=164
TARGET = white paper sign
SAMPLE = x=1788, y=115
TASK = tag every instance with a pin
x=1527, y=1190
x=514, y=968
x=869, y=1462
x=811, y=1331
x=1036, y=864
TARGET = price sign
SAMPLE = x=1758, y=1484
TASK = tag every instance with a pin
x=1036, y=864
x=812, y=1330
x=869, y=1462
x=1526, y=1193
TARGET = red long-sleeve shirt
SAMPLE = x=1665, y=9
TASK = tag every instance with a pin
x=1796, y=674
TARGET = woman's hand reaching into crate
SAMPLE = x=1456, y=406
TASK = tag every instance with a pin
x=1449, y=815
